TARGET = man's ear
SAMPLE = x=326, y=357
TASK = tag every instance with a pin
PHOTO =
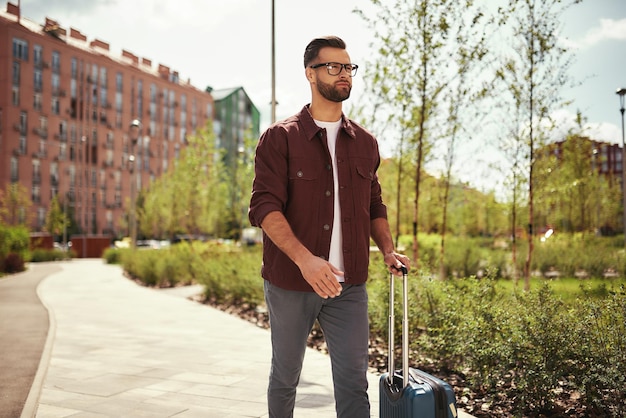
x=309, y=74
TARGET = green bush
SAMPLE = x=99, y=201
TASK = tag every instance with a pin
x=526, y=346
x=113, y=255
x=13, y=263
x=14, y=245
x=41, y=255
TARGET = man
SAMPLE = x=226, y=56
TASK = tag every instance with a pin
x=317, y=198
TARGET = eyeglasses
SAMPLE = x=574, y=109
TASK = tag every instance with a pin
x=334, y=68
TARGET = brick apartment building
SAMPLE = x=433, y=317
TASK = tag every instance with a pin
x=605, y=158
x=66, y=108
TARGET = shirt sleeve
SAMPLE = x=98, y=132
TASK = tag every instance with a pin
x=269, y=187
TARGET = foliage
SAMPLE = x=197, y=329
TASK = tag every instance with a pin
x=13, y=263
x=14, y=247
x=15, y=204
x=203, y=194
x=56, y=219
x=41, y=255
x=230, y=273
x=410, y=76
x=526, y=346
x=114, y=255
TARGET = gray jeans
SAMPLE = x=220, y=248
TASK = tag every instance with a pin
x=344, y=322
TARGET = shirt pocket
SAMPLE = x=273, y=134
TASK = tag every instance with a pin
x=304, y=182
x=303, y=170
x=363, y=185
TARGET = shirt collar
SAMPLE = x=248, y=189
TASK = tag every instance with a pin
x=311, y=129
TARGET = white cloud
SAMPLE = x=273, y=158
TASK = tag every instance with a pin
x=565, y=122
x=609, y=29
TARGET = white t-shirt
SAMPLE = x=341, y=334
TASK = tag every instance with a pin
x=336, y=240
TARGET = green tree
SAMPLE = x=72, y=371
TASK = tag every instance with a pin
x=190, y=197
x=534, y=75
x=15, y=204
x=56, y=219
x=414, y=42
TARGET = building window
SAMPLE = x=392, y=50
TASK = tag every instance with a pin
x=103, y=77
x=15, y=96
x=103, y=97
x=20, y=49
x=38, y=79
x=41, y=217
x=56, y=62
x=36, y=171
x=36, y=197
x=56, y=84
x=37, y=102
x=119, y=100
x=43, y=123
x=16, y=73
x=140, y=97
x=22, y=146
x=23, y=123
x=14, y=169
x=56, y=107
x=119, y=82
x=74, y=69
x=37, y=56
x=62, y=151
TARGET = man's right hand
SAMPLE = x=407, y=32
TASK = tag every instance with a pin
x=321, y=275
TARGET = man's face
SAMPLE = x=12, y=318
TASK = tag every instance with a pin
x=335, y=88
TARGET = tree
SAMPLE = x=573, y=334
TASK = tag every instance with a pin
x=190, y=197
x=533, y=76
x=469, y=34
x=56, y=219
x=15, y=206
x=410, y=72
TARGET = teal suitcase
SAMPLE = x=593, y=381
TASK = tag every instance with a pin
x=411, y=393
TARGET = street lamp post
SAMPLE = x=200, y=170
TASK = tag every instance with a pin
x=135, y=127
x=621, y=93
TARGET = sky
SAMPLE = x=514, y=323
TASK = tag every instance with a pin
x=227, y=43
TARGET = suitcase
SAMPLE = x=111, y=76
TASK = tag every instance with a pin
x=410, y=392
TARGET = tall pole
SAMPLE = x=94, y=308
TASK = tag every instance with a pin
x=621, y=93
x=135, y=128
x=83, y=194
x=273, y=67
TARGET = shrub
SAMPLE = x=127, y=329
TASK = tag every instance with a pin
x=113, y=255
x=511, y=345
x=41, y=255
x=14, y=263
x=14, y=244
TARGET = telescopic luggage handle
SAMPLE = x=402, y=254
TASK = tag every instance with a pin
x=405, y=327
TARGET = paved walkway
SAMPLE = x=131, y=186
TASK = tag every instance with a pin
x=116, y=349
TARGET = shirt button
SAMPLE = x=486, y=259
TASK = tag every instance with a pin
x=328, y=193
x=299, y=174
x=328, y=167
x=326, y=227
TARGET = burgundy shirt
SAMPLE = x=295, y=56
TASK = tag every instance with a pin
x=294, y=175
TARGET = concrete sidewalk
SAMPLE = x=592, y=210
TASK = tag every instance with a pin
x=116, y=349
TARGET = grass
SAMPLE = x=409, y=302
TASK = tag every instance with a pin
x=570, y=289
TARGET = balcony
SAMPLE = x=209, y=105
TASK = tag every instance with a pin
x=61, y=137
x=43, y=133
x=19, y=128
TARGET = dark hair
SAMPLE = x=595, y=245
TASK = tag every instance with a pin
x=313, y=48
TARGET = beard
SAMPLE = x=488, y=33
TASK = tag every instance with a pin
x=329, y=92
